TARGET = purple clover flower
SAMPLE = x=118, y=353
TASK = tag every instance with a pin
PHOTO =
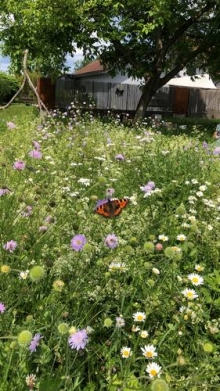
x=35, y=154
x=78, y=242
x=78, y=340
x=2, y=308
x=111, y=241
x=19, y=165
x=10, y=246
x=35, y=342
x=36, y=145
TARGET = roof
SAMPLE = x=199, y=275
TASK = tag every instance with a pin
x=198, y=81
x=91, y=68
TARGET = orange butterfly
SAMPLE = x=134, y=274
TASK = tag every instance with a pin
x=111, y=207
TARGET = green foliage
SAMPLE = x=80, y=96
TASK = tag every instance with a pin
x=8, y=87
x=163, y=237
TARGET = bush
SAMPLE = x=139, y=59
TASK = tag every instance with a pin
x=8, y=87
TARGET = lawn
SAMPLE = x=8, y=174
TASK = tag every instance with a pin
x=94, y=301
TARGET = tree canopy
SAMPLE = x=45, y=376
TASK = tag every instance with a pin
x=152, y=40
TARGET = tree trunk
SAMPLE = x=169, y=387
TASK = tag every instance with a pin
x=147, y=94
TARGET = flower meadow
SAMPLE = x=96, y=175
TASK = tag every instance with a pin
x=92, y=303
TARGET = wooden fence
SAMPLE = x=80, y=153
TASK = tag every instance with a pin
x=124, y=98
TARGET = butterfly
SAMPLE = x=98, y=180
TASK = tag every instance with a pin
x=111, y=207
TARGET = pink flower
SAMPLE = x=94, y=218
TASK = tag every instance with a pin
x=2, y=308
x=78, y=340
x=19, y=165
x=11, y=125
x=159, y=247
x=78, y=242
x=35, y=154
x=10, y=246
x=111, y=241
x=36, y=145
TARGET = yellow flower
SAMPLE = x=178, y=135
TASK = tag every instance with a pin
x=126, y=352
x=5, y=269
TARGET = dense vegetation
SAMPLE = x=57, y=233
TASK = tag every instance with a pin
x=91, y=303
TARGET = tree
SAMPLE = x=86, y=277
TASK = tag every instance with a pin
x=152, y=40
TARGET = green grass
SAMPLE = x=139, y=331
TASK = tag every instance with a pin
x=160, y=239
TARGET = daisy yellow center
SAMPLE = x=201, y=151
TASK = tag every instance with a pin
x=190, y=294
x=126, y=353
x=153, y=372
x=149, y=354
x=195, y=279
x=140, y=317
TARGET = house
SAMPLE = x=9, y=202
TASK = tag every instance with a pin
x=93, y=85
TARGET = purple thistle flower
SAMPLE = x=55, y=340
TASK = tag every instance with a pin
x=11, y=125
x=19, y=165
x=120, y=157
x=35, y=154
x=2, y=308
x=78, y=340
x=35, y=342
x=216, y=151
x=10, y=246
x=148, y=187
x=111, y=241
x=78, y=242
x=36, y=145
x=4, y=190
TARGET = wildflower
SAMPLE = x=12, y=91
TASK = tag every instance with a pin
x=43, y=228
x=4, y=190
x=2, y=308
x=199, y=268
x=156, y=271
x=159, y=247
x=135, y=329
x=5, y=269
x=78, y=340
x=139, y=316
x=31, y=381
x=149, y=351
x=119, y=157
x=163, y=238
x=126, y=352
x=84, y=181
x=111, y=241
x=10, y=246
x=190, y=294
x=27, y=211
x=159, y=385
x=35, y=342
x=78, y=242
x=195, y=279
x=148, y=187
x=63, y=328
x=194, y=181
x=181, y=237
x=36, y=145
x=19, y=165
x=120, y=322
x=35, y=154
x=110, y=192
x=202, y=188
x=11, y=125
x=216, y=151
x=107, y=322
x=153, y=369
x=144, y=334
x=23, y=275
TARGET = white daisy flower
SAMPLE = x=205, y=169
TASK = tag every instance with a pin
x=139, y=316
x=181, y=237
x=199, y=268
x=195, y=279
x=144, y=334
x=126, y=352
x=190, y=294
x=149, y=351
x=163, y=238
x=153, y=369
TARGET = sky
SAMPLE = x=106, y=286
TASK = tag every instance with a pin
x=70, y=61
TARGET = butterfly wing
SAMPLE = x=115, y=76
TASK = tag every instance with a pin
x=112, y=207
